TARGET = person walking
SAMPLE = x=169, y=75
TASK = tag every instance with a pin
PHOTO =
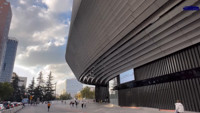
x=179, y=107
x=85, y=103
x=48, y=105
x=76, y=103
x=82, y=104
x=72, y=103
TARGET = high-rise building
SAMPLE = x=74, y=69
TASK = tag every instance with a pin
x=22, y=80
x=5, y=17
x=7, y=69
x=8, y=64
x=73, y=86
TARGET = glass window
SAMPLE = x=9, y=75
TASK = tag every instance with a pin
x=113, y=93
x=127, y=76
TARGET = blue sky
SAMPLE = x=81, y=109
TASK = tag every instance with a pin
x=41, y=27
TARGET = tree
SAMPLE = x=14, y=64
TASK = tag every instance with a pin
x=78, y=96
x=65, y=96
x=40, y=79
x=31, y=87
x=37, y=93
x=49, y=88
x=6, y=91
x=16, y=92
x=22, y=91
x=86, y=93
x=39, y=90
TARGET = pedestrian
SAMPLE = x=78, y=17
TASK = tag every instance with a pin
x=72, y=103
x=107, y=99
x=85, y=104
x=179, y=107
x=82, y=104
x=76, y=103
x=48, y=105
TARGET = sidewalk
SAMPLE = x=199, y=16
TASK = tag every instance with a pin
x=58, y=107
x=140, y=109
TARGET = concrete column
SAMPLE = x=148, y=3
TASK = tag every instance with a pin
x=101, y=93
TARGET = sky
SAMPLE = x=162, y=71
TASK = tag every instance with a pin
x=41, y=28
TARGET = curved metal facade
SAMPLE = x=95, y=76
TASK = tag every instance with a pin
x=108, y=37
x=161, y=82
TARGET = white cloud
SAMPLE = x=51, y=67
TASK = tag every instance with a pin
x=41, y=27
x=60, y=71
x=26, y=72
x=58, y=6
x=57, y=33
x=61, y=86
x=22, y=2
x=38, y=28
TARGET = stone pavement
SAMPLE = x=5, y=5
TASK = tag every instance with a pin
x=58, y=107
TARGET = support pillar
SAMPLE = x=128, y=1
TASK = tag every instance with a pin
x=101, y=93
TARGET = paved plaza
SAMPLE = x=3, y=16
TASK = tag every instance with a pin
x=58, y=107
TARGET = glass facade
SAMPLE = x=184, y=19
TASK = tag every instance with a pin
x=11, y=49
x=113, y=93
x=127, y=76
x=5, y=17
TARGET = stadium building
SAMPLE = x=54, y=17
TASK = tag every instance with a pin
x=157, y=40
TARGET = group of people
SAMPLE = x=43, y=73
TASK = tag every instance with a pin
x=64, y=101
x=178, y=105
x=76, y=102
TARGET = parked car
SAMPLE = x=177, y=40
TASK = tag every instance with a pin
x=6, y=105
x=19, y=103
x=12, y=105
x=1, y=107
x=15, y=104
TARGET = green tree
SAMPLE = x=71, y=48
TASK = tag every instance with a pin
x=40, y=79
x=87, y=93
x=6, y=91
x=37, y=93
x=65, y=96
x=16, y=92
x=31, y=87
x=39, y=90
x=49, y=88
x=22, y=91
